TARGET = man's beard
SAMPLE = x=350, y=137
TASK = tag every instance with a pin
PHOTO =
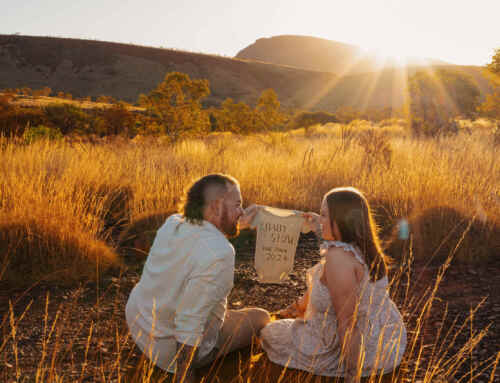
x=230, y=229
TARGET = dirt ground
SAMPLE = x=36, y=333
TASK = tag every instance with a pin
x=97, y=313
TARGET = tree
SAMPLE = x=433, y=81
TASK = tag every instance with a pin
x=494, y=65
x=176, y=102
x=437, y=98
x=268, y=111
x=235, y=117
x=116, y=119
x=491, y=106
x=46, y=91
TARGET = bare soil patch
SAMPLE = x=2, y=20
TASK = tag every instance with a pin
x=96, y=312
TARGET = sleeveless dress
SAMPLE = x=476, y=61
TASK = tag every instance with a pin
x=311, y=344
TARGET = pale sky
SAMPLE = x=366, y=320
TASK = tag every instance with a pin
x=457, y=31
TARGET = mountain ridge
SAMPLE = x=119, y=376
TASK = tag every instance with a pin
x=93, y=68
x=315, y=53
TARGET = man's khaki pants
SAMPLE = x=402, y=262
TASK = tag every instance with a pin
x=238, y=330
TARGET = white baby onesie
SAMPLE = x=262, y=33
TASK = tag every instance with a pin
x=278, y=233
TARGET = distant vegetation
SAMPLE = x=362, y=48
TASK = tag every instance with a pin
x=491, y=107
x=437, y=98
x=175, y=109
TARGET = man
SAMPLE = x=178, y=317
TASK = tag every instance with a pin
x=177, y=312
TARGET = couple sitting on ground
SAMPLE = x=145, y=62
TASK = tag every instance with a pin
x=344, y=325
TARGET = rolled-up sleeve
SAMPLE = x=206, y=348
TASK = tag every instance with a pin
x=208, y=284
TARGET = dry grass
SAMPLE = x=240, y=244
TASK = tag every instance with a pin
x=72, y=347
x=91, y=189
x=56, y=197
x=43, y=101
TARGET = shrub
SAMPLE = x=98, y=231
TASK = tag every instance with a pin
x=115, y=120
x=33, y=249
x=109, y=203
x=496, y=135
x=377, y=148
x=306, y=119
x=433, y=127
x=437, y=98
x=136, y=240
x=41, y=132
x=14, y=121
x=67, y=117
x=440, y=231
x=5, y=102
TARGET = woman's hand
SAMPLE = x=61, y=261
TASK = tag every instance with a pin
x=290, y=312
x=246, y=219
x=296, y=309
x=311, y=223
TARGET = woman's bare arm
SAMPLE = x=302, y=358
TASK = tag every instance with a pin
x=343, y=282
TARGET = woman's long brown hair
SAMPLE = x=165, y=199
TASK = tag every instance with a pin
x=349, y=208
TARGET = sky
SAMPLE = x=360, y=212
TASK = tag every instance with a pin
x=457, y=31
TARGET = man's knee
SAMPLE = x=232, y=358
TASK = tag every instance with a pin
x=259, y=318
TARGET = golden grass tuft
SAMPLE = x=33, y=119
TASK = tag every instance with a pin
x=35, y=250
x=109, y=203
x=469, y=239
x=137, y=237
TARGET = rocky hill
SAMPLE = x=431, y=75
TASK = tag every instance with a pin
x=318, y=54
x=93, y=68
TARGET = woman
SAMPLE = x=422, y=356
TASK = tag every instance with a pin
x=345, y=324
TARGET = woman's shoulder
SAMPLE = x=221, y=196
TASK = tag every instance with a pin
x=338, y=256
x=339, y=247
x=344, y=263
x=326, y=245
x=337, y=251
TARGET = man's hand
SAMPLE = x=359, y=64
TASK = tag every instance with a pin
x=311, y=223
x=246, y=219
x=185, y=358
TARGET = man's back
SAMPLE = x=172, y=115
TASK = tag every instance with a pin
x=184, y=284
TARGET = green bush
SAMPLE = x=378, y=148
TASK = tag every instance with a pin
x=40, y=132
x=306, y=119
x=68, y=118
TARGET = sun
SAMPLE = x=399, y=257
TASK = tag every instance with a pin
x=393, y=52
x=398, y=58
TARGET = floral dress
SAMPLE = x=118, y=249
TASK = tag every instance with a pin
x=311, y=343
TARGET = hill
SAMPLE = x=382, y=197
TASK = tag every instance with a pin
x=319, y=54
x=123, y=71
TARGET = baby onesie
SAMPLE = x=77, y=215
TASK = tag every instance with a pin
x=278, y=232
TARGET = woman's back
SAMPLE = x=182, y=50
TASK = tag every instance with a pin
x=312, y=343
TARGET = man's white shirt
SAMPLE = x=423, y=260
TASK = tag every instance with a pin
x=182, y=294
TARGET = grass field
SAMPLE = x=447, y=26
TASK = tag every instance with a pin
x=63, y=205
x=43, y=101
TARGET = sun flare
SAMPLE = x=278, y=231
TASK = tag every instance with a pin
x=389, y=53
